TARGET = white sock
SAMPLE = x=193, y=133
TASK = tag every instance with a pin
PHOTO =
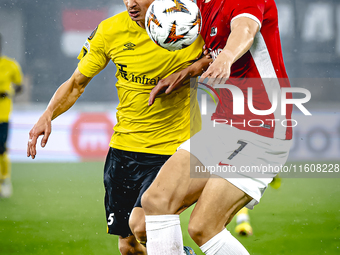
x=224, y=244
x=164, y=235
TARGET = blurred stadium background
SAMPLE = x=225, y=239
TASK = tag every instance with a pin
x=57, y=205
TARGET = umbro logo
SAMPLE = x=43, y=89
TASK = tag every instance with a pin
x=213, y=31
x=129, y=46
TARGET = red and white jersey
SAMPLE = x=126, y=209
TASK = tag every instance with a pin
x=261, y=68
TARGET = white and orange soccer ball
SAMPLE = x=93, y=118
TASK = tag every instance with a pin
x=173, y=24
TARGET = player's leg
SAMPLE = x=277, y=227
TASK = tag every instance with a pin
x=219, y=202
x=174, y=190
x=137, y=225
x=137, y=218
x=130, y=246
x=120, y=183
x=139, y=231
x=5, y=165
x=171, y=192
x=223, y=197
x=243, y=227
x=152, y=164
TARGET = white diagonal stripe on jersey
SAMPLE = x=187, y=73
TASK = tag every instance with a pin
x=264, y=65
x=248, y=15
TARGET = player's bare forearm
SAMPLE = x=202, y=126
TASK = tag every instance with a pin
x=65, y=96
x=241, y=38
x=197, y=68
x=176, y=80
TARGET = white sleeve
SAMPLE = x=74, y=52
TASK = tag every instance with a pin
x=248, y=15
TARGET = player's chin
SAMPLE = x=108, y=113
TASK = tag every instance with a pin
x=139, y=21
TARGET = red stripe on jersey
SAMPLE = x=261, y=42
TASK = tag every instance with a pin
x=264, y=62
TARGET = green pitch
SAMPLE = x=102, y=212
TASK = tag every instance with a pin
x=58, y=209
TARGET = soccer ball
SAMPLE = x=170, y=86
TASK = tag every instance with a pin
x=173, y=24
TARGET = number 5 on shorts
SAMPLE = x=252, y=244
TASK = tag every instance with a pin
x=110, y=219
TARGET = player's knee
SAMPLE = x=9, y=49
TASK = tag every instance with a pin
x=196, y=232
x=154, y=203
x=137, y=227
x=149, y=203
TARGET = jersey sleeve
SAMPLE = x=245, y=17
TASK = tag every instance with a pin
x=17, y=74
x=253, y=9
x=92, y=56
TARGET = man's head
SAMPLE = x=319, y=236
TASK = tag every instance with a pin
x=137, y=10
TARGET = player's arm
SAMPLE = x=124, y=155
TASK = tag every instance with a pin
x=17, y=78
x=241, y=38
x=175, y=80
x=62, y=100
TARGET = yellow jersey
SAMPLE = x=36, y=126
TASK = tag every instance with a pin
x=10, y=73
x=156, y=129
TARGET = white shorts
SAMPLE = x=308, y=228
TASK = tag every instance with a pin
x=245, y=159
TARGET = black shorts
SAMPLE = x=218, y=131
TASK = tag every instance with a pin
x=3, y=136
x=127, y=175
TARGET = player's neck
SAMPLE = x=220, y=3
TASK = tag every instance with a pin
x=141, y=24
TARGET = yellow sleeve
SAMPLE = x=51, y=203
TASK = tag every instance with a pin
x=17, y=74
x=93, y=58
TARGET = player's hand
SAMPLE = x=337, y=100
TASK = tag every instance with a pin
x=206, y=52
x=218, y=71
x=42, y=127
x=175, y=80
x=168, y=84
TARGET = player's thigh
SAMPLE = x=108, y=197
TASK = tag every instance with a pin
x=3, y=136
x=174, y=189
x=217, y=205
x=240, y=156
x=126, y=175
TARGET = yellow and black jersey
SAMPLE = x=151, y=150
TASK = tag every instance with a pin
x=10, y=73
x=162, y=127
